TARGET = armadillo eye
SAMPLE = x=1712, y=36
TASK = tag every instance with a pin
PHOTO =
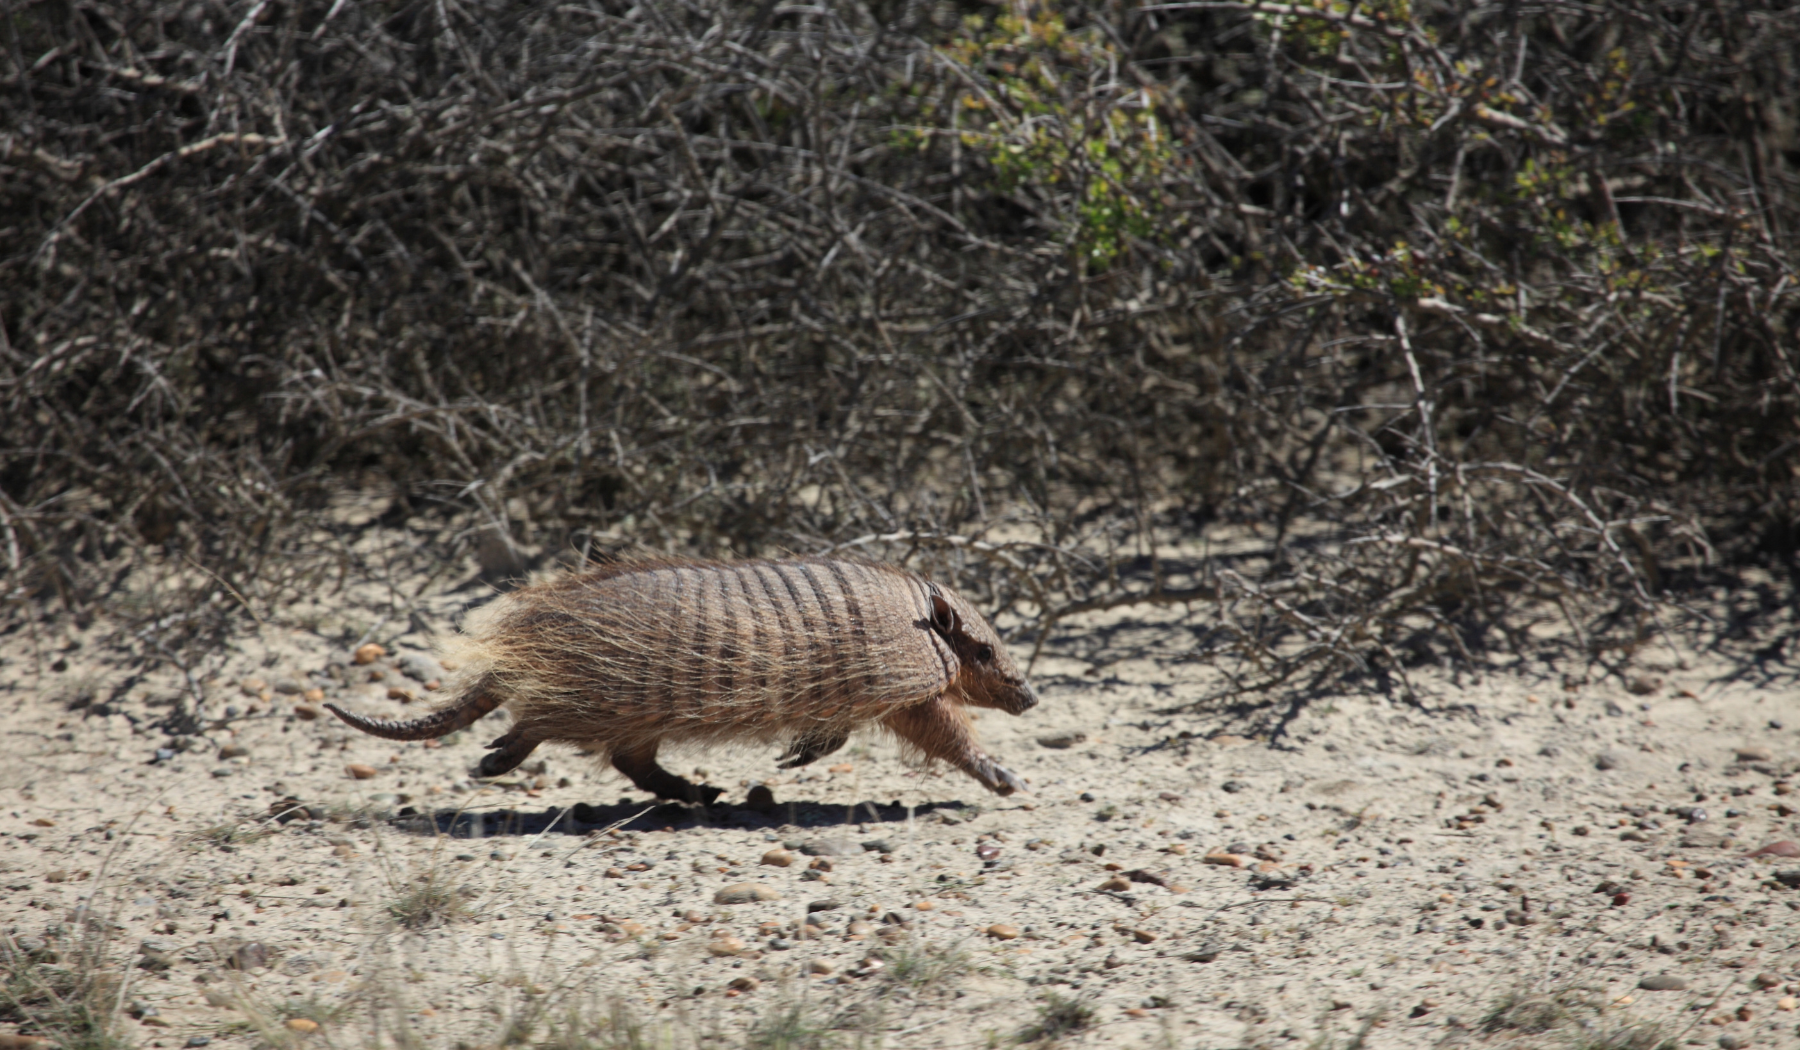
x=984, y=654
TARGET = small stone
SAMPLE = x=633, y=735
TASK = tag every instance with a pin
x=1608, y=760
x=1143, y=936
x=1062, y=741
x=359, y=771
x=253, y=686
x=842, y=767
x=1766, y=980
x=1227, y=860
x=745, y=984
x=879, y=846
x=830, y=847
x=1116, y=884
x=315, y=695
x=1642, y=684
x=813, y=907
x=1002, y=931
x=405, y=696
x=289, y=687
x=778, y=858
x=302, y=1025
x=420, y=667
x=1733, y=1042
x=252, y=956
x=726, y=945
x=1787, y=1004
x=199, y=1040
x=923, y=905
x=745, y=893
x=858, y=929
x=1663, y=982
x=1784, y=848
x=233, y=751
x=760, y=798
x=1754, y=754
x=987, y=851
x=306, y=712
x=818, y=966
x=1234, y=786
x=368, y=653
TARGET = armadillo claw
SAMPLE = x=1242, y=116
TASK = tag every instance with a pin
x=1003, y=781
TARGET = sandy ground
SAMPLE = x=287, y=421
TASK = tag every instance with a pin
x=1397, y=872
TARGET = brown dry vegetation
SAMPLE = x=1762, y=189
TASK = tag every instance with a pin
x=1425, y=322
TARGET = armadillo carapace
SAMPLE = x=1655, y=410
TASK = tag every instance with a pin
x=618, y=660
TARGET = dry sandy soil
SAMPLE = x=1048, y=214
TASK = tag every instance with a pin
x=1365, y=869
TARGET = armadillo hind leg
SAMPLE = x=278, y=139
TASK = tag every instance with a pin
x=641, y=768
x=938, y=728
x=508, y=752
x=812, y=747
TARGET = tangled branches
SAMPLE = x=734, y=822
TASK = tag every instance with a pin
x=1428, y=321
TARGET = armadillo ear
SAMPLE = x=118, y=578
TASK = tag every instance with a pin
x=943, y=618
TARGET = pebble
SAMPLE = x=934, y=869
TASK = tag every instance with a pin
x=10, y=1041
x=1754, y=754
x=420, y=667
x=289, y=687
x=315, y=695
x=1642, y=685
x=302, y=1025
x=1116, y=884
x=405, y=696
x=823, y=905
x=830, y=847
x=1227, y=860
x=879, y=846
x=778, y=858
x=1002, y=931
x=745, y=984
x=1608, y=760
x=1062, y=741
x=818, y=966
x=252, y=956
x=305, y=712
x=842, y=767
x=233, y=751
x=1733, y=1042
x=1787, y=1004
x=1784, y=848
x=359, y=771
x=199, y=1040
x=726, y=945
x=368, y=653
x=1663, y=982
x=745, y=893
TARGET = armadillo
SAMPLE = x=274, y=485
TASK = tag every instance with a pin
x=621, y=659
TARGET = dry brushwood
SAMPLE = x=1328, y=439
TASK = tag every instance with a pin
x=620, y=660
x=1426, y=322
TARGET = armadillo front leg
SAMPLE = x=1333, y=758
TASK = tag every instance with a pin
x=811, y=748
x=641, y=768
x=941, y=730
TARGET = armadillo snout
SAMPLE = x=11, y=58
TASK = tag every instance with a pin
x=1019, y=699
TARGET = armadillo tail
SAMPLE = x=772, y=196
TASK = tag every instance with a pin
x=436, y=724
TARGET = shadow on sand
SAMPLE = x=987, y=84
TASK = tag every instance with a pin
x=581, y=818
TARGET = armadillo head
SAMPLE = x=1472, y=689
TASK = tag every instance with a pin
x=987, y=676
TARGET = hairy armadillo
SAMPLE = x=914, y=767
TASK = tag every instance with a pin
x=621, y=659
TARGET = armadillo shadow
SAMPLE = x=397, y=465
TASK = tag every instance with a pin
x=582, y=819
